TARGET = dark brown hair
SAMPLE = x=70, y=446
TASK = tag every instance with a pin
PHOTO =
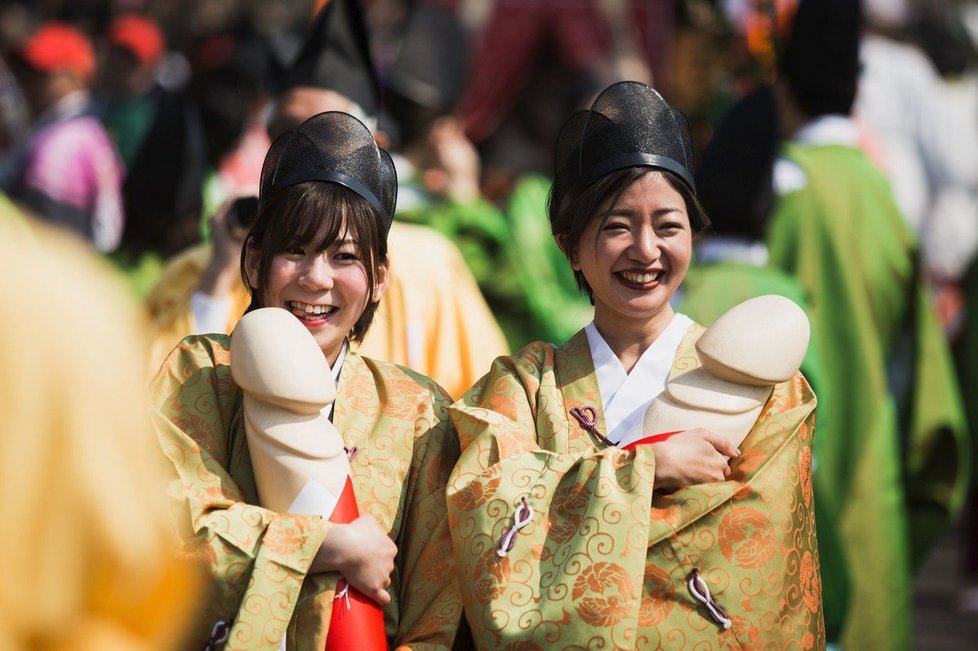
x=318, y=213
x=570, y=215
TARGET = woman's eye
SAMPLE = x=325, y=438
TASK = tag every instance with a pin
x=295, y=250
x=346, y=256
x=615, y=227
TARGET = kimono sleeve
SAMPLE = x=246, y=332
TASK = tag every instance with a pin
x=257, y=559
x=429, y=608
x=582, y=518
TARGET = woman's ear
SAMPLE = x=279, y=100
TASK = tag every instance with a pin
x=571, y=254
x=252, y=259
x=382, y=279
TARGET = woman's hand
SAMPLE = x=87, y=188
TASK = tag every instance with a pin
x=363, y=554
x=696, y=456
x=223, y=270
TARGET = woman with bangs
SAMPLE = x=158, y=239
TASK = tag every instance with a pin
x=318, y=249
x=573, y=527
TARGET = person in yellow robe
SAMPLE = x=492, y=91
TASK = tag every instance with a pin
x=89, y=554
x=317, y=249
x=433, y=319
x=563, y=539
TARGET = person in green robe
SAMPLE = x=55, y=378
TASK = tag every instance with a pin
x=562, y=538
x=318, y=248
x=893, y=444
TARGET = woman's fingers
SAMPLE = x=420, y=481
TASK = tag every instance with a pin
x=722, y=445
x=382, y=597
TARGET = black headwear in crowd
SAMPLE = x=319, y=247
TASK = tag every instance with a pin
x=337, y=148
x=821, y=58
x=734, y=176
x=432, y=64
x=336, y=56
x=429, y=74
x=628, y=125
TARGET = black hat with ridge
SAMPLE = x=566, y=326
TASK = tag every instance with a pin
x=431, y=67
x=337, y=148
x=336, y=56
x=628, y=125
x=734, y=176
x=821, y=57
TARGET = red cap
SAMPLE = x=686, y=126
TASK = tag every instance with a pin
x=139, y=35
x=55, y=47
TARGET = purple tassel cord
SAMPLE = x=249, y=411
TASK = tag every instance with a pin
x=521, y=518
x=588, y=419
x=701, y=592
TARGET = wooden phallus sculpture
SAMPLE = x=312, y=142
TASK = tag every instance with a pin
x=750, y=348
x=297, y=454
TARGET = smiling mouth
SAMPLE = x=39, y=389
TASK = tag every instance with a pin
x=309, y=312
x=640, y=278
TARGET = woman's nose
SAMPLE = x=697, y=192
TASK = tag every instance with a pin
x=645, y=246
x=317, y=274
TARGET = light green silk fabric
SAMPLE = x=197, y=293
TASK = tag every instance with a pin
x=258, y=559
x=603, y=562
x=709, y=291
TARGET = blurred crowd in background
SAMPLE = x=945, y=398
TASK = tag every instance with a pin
x=138, y=125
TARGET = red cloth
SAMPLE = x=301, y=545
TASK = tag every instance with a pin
x=356, y=622
x=648, y=440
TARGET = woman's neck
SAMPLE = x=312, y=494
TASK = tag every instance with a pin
x=629, y=340
x=335, y=356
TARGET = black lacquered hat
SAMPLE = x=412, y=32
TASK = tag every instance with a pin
x=628, y=125
x=333, y=147
x=336, y=55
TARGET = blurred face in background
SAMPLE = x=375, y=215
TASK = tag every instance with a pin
x=298, y=104
x=42, y=90
x=122, y=76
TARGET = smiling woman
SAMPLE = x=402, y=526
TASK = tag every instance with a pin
x=562, y=538
x=320, y=253
x=633, y=259
x=318, y=250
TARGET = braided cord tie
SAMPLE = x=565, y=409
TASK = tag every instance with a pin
x=219, y=635
x=701, y=592
x=587, y=417
x=521, y=518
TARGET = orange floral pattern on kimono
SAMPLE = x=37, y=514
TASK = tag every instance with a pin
x=604, y=561
x=259, y=560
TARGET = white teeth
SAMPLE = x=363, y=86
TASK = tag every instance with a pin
x=310, y=309
x=640, y=278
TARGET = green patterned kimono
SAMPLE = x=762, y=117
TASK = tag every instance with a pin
x=603, y=562
x=259, y=560
x=711, y=289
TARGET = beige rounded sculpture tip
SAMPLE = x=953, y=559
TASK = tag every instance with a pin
x=760, y=341
x=275, y=359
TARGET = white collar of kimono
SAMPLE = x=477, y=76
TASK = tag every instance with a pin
x=828, y=130
x=337, y=367
x=625, y=396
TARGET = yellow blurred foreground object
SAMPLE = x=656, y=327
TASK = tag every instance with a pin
x=88, y=555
